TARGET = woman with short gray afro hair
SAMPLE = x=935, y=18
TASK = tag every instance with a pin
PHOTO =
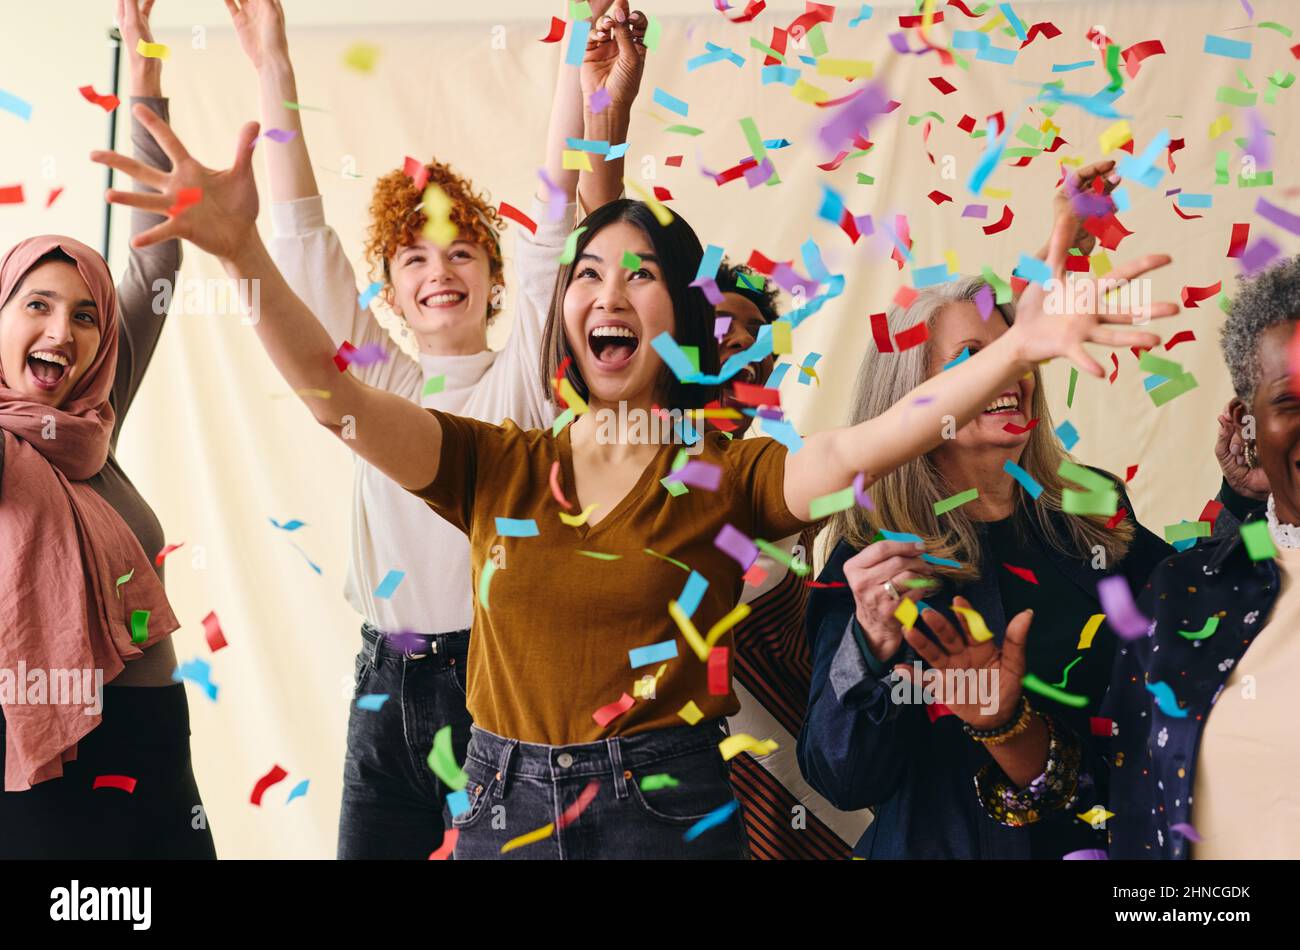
x=1265, y=300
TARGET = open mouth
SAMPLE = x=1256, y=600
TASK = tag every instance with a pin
x=442, y=301
x=613, y=345
x=47, y=368
x=1003, y=406
x=747, y=375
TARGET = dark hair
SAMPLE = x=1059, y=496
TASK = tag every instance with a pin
x=729, y=282
x=679, y=252
x=55, y=255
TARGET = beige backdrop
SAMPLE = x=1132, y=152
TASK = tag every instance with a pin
x=217, y=448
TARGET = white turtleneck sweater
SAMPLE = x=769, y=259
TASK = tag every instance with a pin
x=392, y=529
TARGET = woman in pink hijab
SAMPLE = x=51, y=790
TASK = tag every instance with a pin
x=89, y=770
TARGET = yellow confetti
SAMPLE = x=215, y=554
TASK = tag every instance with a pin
x=732, y=746
x=906, y=613
x=662, y=214
x=576, y=161
x=575, y=521
x=807, y=92
x=847, y=68
x=993, y=24
x=1220, y=125
x=571, y=397
x=733, y=617
x=1100, y=264
x=644, y=688
x=361, y=57
x=1115, y=136
x=1090, y=630
x=691, y=712
x=533, y=836
x=689, y=633
x=714, y=413
x=438, y=226
x=979, y=631
x=1095, y=815
x=152, y=50
x=1049, y=127
x=950, y=258
x=1001, y=194
x=781, y=338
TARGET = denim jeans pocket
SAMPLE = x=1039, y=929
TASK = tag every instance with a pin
x=456, y=675
x=361, y=673
x=691, y=787
x=482, y=780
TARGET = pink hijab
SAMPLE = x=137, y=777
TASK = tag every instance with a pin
x=65, y=547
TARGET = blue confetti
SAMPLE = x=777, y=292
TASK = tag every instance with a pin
x=299, y=791
x=517, y=527
x=389, y=584
x=901, y=536
x=959, y=359
x=711, y=820
x=1032, y=269
x=293, y=525
x=1024, y=478
x=689, y=598
x=577, y=43
x=1166, y=701
x=369, y=294
x=19, y=107
x=654, y=653
x=1233, y=49
x=671, y=102
x=199, y=672
x=372, y=702
x=458, y=802
x=1068, y=434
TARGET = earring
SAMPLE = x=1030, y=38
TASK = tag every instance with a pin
x=1248, y=454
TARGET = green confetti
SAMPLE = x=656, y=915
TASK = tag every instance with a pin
x=443, y=761
x=139, y=626
x=1271, y=25
x=684, y=130
x=692, y=353
x=1151, y=363
x=1207, y=631
x=914, y=119
x=865, y=179
x=434, y=384
x=1069, y=396
x=601, y=557
x=751, y=281
x=299, y=107
x=1112, y=67
x=485, y=581
x=1234, y=97
x=654, y=30
x=771, y=550
x=664, y=557
x=571, y=246
x=1032, y=682
x=817, y=41
x=1030, y=135
x=1089, y=502
x=122, y=580
x=1066, y=675
x=826, y=505
x=1259, y=543
x=562, y=420
x=923, y=582
x=578, y=10
x=631, y=261
x=1001, y=289
x=1258, y=180
x=1173, y=388
x=1084, y=476
x=1186, y=530
x=762, y=47
x=653, y=782
x=1221, y=168
x=955, y=501
x=674, y=487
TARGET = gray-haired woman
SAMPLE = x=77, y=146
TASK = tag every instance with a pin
x=871, y=741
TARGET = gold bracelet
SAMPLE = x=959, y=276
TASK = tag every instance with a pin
x=1027, y=714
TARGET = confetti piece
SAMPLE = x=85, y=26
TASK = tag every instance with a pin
x=298, y=791
x=1002, y=224
x=541, y=833
x=1282, y=218
x=12, y=104
x=733, y=745
x=1258, y=541
x=485, y=581
x=123, y=782
x=107, y=103
x=1066, y=675
x=1183, y=828
x=578, y=520
x=213, y=633
x=664, y=557
x=442, y=760
x=514, y=214
x=607, y=714
x=1032, y=269
x=600, y=100
x=1122, y=613
x=1206, y=631
x=585, y=798
x=556, y=32
x=1191, y=296
x=955, y=501
x=1166, y=702
x=652, y=783
x=571, y=246
x=389, y=584
x=438, y=226
x=912, y=336
x=630, y=261
x=826, y=505
x=736, y=545
x=576, y=161
x=1087, y=854
x=185, y=198
x=1024, y=573
x=517, y=527
x=1186, y=530
x=279, y=136
x=671, y=102
x=1074, y=701
x=714, y=818
x=369, y=294
x=1089, y=631
x=719, y=682
x=1096, y=816
x=691, y=713
x=599, y=556
x=139, y=626
x=1234, y=49
x=906, y=613
x=152, y=50
x=54, y=193
x=979, y=631
x=577, y=48
x=1068, y=435
x=1115, y=136
x=276, y=774
x=198, y=672
x=654, y=653
x=1024, y=478
x=372, y=702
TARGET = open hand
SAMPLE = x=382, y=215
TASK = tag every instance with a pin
x=615, y=57
x=259, y=24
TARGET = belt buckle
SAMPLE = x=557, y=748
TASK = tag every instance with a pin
x=433, y=648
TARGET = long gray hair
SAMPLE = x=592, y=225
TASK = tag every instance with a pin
x=905, y=498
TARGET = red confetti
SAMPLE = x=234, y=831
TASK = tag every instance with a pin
x=158, y=558
x=937, y=711
x=719, y=683
x=674, y=161
x=1107, y=230
x=938, y=197
x=1024, y=573
x=912, y=336
x=1019, y=430
x=752, y=395
x=11, y=195
x=1175, y=145
x=123, y=782
x=1182, y=336
x=1134, y=55
x=967, y=123
x=607, y=714
x=557, y=31
x=1115, y=360
x=1295, y=51
x=212, y=632
x=1191, y=295
x=1129, y=473
x=1018, y=285
x=735, y=171
x=276, y=774
x=905, y=296
x=1211, y=511
x=849, y=226
x=54, y=193
x=1076, y=263
x=1046, y=29
x=417, y=172
x=880, y=332
x=822, y=584
x=585, y=798
x=752, y=9
x=1240, y=235
x=904, y=232
x=663, y=194
x=444, y=850
x=964, y=9
x=779, y=37
x=1186, y=217
x=1117, y=517
x=107, y=103
x=755, y=575
x=1003, y=223
x=943, y=85
x=1100, y=726
x=1001, y=122
x=514, y=214
x=759, y=262
x=835, y=162
x=344, y=355
x=907, y=22
x=186, y=198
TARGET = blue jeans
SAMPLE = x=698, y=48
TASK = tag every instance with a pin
x=519, y=787
x=393, y=803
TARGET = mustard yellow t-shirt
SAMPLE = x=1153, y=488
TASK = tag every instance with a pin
x=552, y=646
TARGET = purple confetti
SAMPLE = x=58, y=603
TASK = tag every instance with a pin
x=721, y=325
x=984, y=301
x=900, y=42
x=755, y=175
x=710, y=287
x=773, y=413
x=1259, y=255
x=1279, y=216
x=407, y=641
x=1187, y=831
x=1173, y=191
x=699, y=474
x=1086, y=204
x=1121, y=613
x=1087, y=854
x=600, y=100
x=864, y=225
x=975, y=211
x=859, y=492
x=558, y=201
x=851, y=118
x=788, y=280
x=1250, y=13
x=736, y=546
x=280, y=135
x=368, y=355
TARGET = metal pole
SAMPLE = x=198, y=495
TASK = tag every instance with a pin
x=115, y=44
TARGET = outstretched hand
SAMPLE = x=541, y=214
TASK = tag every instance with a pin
x=615, y=57
x=259, y=24
x=214, y=210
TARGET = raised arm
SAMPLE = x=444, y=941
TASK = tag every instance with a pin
x=830, y=460
x=146, y=288
x=387, y=430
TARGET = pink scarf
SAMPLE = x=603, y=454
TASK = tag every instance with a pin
x=64, y=546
